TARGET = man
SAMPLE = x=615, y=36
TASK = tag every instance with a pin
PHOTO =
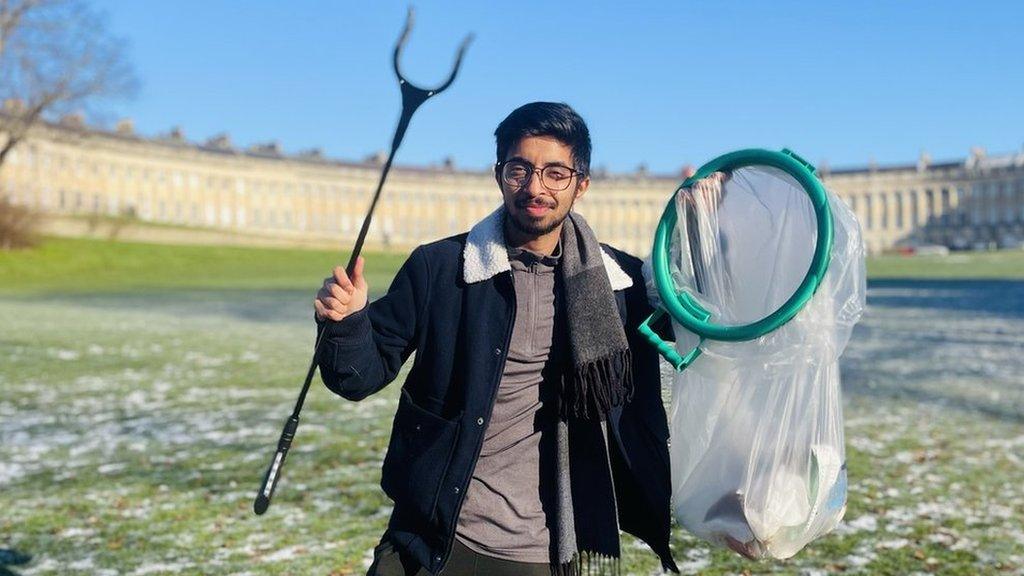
x=530, y=428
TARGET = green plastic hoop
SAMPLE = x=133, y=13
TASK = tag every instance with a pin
x=685, y=309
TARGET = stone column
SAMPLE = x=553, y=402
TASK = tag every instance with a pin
x=890, y=212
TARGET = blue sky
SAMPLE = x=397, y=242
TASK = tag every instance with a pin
x=666, y=84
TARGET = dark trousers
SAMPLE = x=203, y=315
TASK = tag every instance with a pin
x=388, y=561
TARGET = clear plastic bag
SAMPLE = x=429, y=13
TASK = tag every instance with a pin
x=758, y=462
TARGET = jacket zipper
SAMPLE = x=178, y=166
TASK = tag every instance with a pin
x=480, y=443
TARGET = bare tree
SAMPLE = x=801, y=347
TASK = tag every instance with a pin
x=56, y=56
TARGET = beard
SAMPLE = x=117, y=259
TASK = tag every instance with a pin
x=526, y=224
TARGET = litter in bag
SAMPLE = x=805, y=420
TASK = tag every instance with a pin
x=758, y=462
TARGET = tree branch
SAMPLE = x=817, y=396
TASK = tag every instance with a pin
x=56, y=56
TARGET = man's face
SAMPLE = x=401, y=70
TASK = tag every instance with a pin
x=532, y=208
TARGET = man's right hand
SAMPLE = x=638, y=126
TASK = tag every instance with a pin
x=340, y=295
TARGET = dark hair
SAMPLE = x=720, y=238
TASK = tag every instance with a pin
x=555, y=119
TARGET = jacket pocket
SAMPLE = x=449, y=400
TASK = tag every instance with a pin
x=421, y=448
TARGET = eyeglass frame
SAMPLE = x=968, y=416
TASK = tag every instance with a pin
x=499, y=168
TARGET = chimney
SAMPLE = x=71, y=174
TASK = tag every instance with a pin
x=377, y=158
x=73, y=120
x=977, y=154
x=272, y=148
x=176, y=134
x=824, y=169
x=14, y=106
x=923, y=161
x=312, y=154
x=220, y=141
x=125, y=127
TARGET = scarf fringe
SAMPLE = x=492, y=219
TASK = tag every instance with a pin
x=588, y=564
x=597, y=386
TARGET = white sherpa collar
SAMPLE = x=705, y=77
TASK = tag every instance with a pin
x=485, y=254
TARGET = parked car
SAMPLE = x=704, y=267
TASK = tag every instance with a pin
x=1010, y=242
x=931, y=250
x=959, y=243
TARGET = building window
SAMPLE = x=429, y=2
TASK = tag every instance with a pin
x=1007, y=208
x=993, y=203
x=944, y=214
x=1020, y=200
x=886, y=201
x=976, y=204
x=961, y=207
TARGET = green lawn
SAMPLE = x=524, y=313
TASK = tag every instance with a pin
x=143, y=387
x=980, y=265
x=82, y=266
x=62, y=265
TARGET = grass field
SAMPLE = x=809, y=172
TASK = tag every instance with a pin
x=143, y=389
x=62, y=265
x=1002, y=264
x=65, y=266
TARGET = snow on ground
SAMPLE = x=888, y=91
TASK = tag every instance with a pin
x=134, y=431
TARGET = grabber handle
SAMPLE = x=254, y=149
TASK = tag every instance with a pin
x=667, y=350
x=262, y=501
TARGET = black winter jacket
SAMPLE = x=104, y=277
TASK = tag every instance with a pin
x=452, y=303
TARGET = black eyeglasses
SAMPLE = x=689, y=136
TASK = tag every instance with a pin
x=554, y=177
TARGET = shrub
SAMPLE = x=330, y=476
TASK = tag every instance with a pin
x=19, y=226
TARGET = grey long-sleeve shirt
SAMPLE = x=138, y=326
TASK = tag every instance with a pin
x=509, y=506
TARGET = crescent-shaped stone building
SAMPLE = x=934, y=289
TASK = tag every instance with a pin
x=70, y=169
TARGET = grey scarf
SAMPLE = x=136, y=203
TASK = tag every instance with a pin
x=598, y=378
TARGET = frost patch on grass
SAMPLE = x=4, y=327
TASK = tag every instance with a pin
x=859, y=524
x=696, y=560
x=161, y=568
x=77, y=532
x=284, y=554
x=143, y=447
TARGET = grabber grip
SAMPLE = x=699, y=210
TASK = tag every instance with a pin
x=266, y=492
x=667, y=350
